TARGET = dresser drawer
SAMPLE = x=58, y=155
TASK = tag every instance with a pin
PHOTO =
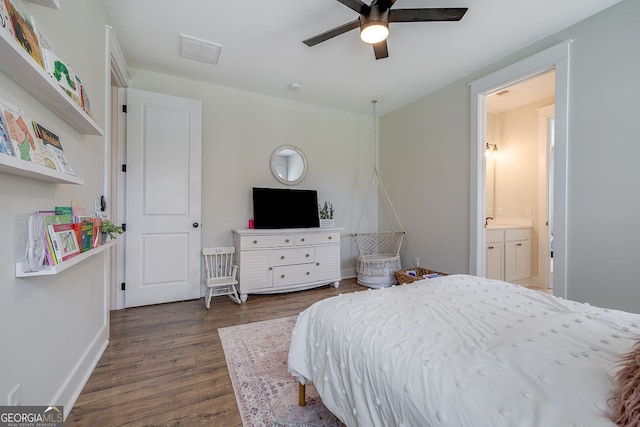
x=317, y=238
x=291, y=256
x=260, y=242
x=294, y=274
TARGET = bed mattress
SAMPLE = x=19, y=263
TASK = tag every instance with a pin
x=461, y=351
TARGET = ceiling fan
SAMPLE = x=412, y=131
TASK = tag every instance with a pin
x=375, y=18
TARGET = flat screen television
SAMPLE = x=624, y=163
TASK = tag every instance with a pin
x=285, y=208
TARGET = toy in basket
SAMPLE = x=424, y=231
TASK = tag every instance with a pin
x=410, y=275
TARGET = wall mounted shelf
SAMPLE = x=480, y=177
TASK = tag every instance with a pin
x=21, y=167
x=55, y=269
x=17, y=64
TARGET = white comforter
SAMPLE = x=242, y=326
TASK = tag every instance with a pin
x=461, y=351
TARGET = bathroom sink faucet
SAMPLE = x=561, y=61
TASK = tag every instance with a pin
x=486, y=220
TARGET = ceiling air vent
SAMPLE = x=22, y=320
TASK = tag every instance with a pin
x=200, y=50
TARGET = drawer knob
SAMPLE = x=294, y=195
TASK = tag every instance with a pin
x=519, y=244
x=330, y=237
x=317, y=263
x=307, y=255
x=255, y=241
x=308, y=273
x=286, y=241
x=282, y=276
x=282, y=257
x=490, y=247
x=302, y=240
x=270, y=268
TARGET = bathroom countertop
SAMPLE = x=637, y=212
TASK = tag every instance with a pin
x=505, y=226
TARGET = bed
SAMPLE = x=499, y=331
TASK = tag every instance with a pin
x=461, y=350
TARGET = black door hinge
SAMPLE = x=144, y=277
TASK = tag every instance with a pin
x=122, y=286
x=124, y=108
x=124, y=168
x=124, y=227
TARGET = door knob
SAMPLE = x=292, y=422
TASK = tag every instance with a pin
x=196, y=225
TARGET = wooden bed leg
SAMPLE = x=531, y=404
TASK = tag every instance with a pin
x=301, y=401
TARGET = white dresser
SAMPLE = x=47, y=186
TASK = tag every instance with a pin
x=272, y=261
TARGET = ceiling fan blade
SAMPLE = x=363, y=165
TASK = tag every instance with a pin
x=427, y=14
x=356, y=5
x=380, y=50
x=332, y=33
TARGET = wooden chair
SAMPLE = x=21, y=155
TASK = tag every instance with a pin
x=221, y=273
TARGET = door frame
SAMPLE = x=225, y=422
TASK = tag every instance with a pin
x=545, y=194
x=117, y=78
x=555, y=57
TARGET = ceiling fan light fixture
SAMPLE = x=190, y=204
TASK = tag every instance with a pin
x=374, y=27
x=374, y=32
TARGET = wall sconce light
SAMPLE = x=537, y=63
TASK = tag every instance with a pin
x=492, y=148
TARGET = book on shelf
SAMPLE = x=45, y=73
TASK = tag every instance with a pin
x=64, y=210
x=49, y=258
x=24, y=32
x=84, y=97
x=61, y=72
x=5, y=22
x=6, y=146
x=86, y=234
x=64, y=241
x=52, y=146
x=77, y=97
x=96, y=238
x=77, y=210
x=42, y=154
x=22, y=136
x=50, y=217
x=36, y=244
x=83, y=226
x=43, y=40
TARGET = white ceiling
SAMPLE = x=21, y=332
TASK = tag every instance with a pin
x=533, y=89
x=262, y=49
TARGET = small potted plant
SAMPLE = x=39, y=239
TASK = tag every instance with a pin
x=109, y=230
x=326, y=215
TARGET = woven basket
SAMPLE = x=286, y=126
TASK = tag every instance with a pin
x=403, y=278
x=377, y=271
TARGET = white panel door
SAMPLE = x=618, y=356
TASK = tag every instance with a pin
x=163, y=198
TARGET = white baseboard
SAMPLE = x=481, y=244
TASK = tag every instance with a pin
x=348, y=273
x=72, y=387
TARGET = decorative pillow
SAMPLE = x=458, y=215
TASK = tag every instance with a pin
x=626, y=396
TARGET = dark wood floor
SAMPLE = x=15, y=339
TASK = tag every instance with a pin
x=164, y=365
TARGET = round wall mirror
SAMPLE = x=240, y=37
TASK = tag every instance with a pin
x=288, y=164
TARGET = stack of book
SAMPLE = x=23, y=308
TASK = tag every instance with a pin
x=60, y=234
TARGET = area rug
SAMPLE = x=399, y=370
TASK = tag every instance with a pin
x=266, y=393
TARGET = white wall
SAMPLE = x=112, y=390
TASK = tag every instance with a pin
x=424, y=163
x=240, y=131
x=51, y=328
x=432, y=138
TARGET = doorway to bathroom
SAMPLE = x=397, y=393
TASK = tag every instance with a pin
x=518, y=202
x=553, y=58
